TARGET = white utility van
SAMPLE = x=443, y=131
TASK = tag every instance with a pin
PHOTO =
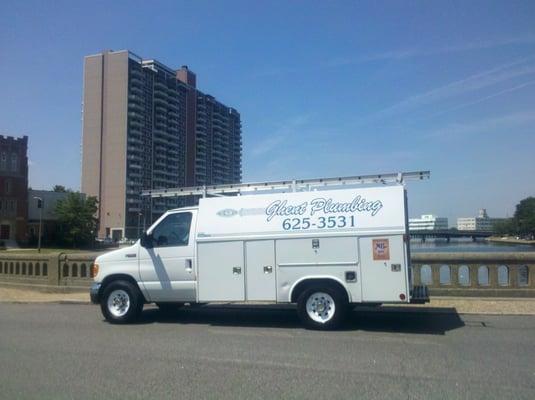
x=324, y=244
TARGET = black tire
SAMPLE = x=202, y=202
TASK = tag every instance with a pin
x=322, y=308
x=121, y=302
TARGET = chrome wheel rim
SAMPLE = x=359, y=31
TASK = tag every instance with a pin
x=320, y=307
x=118, y=303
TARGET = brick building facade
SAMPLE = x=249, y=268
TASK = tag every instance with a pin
x=13, y=188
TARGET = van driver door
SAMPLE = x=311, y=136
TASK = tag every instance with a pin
x=166, y=263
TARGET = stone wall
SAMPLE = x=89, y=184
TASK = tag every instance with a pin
x=446, y=274
x=476, y=274
x=52, y=271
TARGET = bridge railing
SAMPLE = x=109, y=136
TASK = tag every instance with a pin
x=446, y=274
x=476, y=274
x=52, y=271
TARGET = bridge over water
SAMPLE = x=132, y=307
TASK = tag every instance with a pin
x=448, y=234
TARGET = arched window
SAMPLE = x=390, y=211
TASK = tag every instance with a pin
x=503, y=275
x=445, y=275
x=523, y=275
x=464, y=275
x=426, y=277
x=483, y=275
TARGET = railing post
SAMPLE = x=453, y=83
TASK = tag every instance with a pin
x=53, y=269
x=454, y=275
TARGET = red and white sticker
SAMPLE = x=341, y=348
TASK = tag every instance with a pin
x=381, y=249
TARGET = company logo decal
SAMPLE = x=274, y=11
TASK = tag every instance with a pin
x=227, y=213
x=322, y=206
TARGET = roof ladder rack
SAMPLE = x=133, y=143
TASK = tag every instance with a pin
x=286, y=186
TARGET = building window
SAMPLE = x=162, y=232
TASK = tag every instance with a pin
x=14, y=162
x=3, y=160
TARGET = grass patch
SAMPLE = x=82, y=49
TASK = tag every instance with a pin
x=53, y=250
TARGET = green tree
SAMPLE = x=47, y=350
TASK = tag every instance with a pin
x=60, y=188
x=525, y=216
x=505, y=227
x=76, y=218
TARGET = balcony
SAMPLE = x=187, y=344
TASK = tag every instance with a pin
x=135, y=166
x=136, y=80
x=135, y=123
x=161, y=86
x=134, y=141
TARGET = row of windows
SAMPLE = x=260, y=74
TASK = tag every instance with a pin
x=14, y=164
x=8, y=205
x=464, y=279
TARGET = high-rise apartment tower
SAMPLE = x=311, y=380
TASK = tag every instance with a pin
x=146, y=126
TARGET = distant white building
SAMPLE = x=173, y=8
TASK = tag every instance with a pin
x=480, y=223
x=428, y=222
x=41, y=205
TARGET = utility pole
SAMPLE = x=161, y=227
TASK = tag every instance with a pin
x=40, y=207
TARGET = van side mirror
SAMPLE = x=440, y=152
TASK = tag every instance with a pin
x=147, y=240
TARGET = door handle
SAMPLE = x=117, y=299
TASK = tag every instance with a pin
x=268, y=269
x=236, y=270
x=189, y=266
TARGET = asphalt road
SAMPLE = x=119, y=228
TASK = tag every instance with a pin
x=67, y=351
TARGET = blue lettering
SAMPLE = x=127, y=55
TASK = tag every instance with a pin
x=282, y=209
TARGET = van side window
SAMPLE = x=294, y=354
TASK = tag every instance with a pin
x=173, y=230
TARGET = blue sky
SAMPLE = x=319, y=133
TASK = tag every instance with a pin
x=323, y=88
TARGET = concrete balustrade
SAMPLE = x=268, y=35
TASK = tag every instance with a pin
x=446, y=274
x=53, y=271
x=476, y=274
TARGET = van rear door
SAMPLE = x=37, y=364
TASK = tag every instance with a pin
x=384, y=269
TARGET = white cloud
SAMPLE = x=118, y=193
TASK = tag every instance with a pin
x=408, y=53
x=503, y=123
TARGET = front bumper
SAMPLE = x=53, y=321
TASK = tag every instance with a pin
x=94, y=293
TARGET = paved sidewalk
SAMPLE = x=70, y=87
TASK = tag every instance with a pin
x=37, y=295
x=461, y=305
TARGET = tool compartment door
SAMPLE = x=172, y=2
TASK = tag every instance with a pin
x=260, y=272
x=383, y=269
x=221, y=271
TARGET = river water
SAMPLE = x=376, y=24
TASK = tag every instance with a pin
x=466, y=245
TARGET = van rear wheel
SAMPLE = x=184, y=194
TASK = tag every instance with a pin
x=321, y=308
x=121, y=302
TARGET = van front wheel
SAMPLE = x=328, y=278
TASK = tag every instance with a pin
x=121, y=302
x=321, y=308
